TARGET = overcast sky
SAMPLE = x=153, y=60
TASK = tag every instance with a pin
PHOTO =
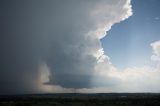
x=87, y=46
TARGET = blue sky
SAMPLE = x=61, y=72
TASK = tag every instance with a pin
x=128, y=43
x=55, y=46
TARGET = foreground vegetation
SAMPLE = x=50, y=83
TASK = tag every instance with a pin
x=82, y=100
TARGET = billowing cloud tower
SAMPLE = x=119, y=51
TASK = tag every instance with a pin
x=55, y=42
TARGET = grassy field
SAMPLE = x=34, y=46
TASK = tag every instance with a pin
x=108, y=99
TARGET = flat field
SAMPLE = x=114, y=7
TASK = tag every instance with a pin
x=75, y=99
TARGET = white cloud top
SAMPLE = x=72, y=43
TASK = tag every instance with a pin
x=57, y=48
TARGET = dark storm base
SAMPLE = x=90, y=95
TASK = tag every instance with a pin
x=102, y=99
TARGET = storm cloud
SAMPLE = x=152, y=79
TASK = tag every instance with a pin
x=59, y=39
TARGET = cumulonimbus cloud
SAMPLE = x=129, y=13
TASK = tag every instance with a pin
x=54, y=46
x=73, y=63
x=64, y=35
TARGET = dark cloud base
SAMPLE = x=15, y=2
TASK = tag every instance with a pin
x=59, y=33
